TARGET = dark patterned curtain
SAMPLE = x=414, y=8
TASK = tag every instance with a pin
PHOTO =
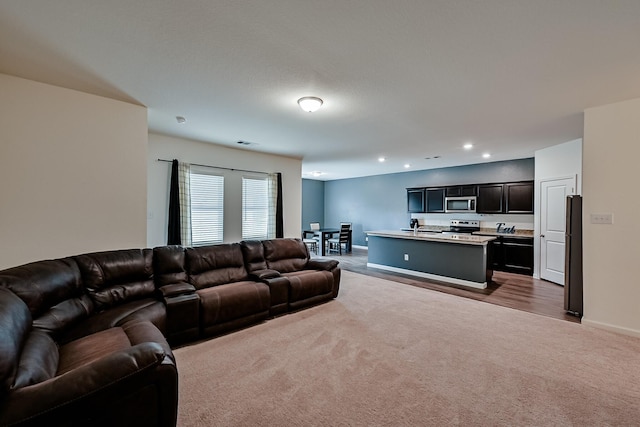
x=279, y=220
x=173, y=234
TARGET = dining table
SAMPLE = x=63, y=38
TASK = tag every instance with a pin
x=325, y=234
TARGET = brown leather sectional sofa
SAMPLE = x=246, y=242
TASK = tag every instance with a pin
x=84, y=339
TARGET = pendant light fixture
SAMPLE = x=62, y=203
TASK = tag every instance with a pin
x=310, y=103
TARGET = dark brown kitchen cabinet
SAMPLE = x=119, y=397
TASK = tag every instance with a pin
x=496, y=198
x=490, y=198
x=435, y=200
x=512, y=254
x=509, y=198
x=415, y=200
x=461, y=190
x=519, y=197
x=518, y=255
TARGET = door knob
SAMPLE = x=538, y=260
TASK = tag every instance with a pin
x=542, y=235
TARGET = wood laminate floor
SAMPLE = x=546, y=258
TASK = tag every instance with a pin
x=506, y=289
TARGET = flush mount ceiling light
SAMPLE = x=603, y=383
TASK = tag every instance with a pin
x=310, y=103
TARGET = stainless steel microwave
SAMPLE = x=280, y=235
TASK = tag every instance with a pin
x=460, y=204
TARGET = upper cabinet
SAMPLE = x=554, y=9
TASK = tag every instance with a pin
x=501, y=198
x=461, y=191
x=519, y=197
x=490, y=198
x=421, y=200
x=509, y=198
x=435, y=200
x=415, y=200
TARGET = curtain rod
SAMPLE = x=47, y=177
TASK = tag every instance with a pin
x=218, y=167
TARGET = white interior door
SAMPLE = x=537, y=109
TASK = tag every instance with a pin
x=553, y=205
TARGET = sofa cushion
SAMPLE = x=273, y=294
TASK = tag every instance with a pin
x=38, y=361
x=253, y=253
x=44, y=284
x=62, y=317
x=15, y=325
x=53, y=291
x=115, y=277
x=92, y=347
x=215, y=265
x=88, y=349
x=149, y=309
x=232, y=301
x=308, y=284
x=169, y=265
x=285, y=255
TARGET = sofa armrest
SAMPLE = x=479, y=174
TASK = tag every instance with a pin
x=322, y=264
x=183, y=311
x=101, y=389
x=176, y=289
x=265, y=274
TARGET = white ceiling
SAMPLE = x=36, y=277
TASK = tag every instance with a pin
x=400, y=79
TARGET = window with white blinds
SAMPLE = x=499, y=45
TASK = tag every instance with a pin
x=207, y=208
x=255, y=208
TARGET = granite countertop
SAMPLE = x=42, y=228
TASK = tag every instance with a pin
x=462, y=238
x=493, y=232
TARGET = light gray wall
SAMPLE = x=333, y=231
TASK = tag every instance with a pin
x=380, y=202
x=312, y=202
x=610, y=185
x=72, y=172
x=204, y=153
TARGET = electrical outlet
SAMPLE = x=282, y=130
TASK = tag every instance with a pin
x=602, y=218
x=406, y=257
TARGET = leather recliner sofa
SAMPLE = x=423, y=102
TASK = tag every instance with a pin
x=83, y=340
x=79, y=345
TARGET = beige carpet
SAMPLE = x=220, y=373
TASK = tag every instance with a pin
x=388, y=354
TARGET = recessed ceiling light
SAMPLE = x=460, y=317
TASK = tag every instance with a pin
x=407, y=165
x=316, y=173
x=486, y=155
x=381, y=159
x=180, y=119
x=310, y=103
x=468, y=146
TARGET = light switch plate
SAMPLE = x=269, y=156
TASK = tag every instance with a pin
x=406, y=257
x=602, y=218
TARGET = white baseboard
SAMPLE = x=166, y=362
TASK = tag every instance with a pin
x=611, y=328
x=361, y=247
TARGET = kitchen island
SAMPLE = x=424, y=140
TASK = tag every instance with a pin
x=460, y=259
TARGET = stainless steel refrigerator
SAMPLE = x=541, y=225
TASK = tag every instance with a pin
x=573, y=257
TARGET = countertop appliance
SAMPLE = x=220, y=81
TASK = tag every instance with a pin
x=463, y=226
x=465, y=204
x=573, y=257
x=413, y=223
x=456, y=226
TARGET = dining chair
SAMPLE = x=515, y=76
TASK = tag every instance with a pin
x=335, y=244
x=312, y=242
